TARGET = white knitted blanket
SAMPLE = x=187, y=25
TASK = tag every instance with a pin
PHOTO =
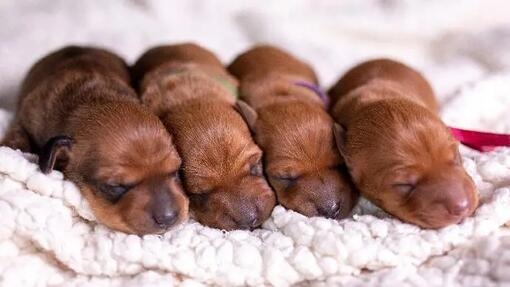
x=48, y=236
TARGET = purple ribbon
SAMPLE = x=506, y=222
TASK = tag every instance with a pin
x=316, y=89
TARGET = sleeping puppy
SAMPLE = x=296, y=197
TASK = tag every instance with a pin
x=188, y=88
x=399, y=153
x=78, y=112
x=290, y=124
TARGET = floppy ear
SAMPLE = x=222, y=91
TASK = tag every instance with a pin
x=56, y=149
x=248, y=113
x=339, y=132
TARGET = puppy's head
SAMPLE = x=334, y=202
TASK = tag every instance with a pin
x=403, y=158
x=222, y=166
x=126, y=166
x=301, y=160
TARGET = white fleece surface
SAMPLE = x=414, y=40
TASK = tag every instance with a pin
x=49, y=237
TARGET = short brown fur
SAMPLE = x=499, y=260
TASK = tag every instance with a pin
x=188, y=88
x=399, y=153
x=83, y=93
x=294, y=131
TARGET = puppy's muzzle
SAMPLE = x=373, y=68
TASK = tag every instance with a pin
x=459, y=207
x=331, y=210
x=255, y=205
x=332, y=195
x=444, y=202
x=457, y=199
x=165, y=211
x=250, y=220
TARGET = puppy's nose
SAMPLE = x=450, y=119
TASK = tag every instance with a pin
x=165, y=218
x=459, y=206
x=330, y=211
x=164, y=211
x=249, y=221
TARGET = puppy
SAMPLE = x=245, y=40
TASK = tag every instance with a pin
x=290, y=124
x=399, y=153
x=78, y=112
x=188, y=88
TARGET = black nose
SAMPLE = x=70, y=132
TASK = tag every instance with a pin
x=330, y=211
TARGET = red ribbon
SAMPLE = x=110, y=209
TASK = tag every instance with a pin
x=481, y=141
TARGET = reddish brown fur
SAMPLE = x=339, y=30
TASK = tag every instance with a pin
x=294, y=131
x=399, y=153
x=188, y=88
x=84, y=93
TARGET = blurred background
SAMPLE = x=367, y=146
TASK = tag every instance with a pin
x=452, y=41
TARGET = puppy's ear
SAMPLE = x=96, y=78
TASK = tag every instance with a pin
x=248, y=113
x=55, y=152
x=340, y=134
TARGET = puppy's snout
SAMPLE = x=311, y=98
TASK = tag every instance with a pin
x=255, y=205
x=442, y=201
x=165, y=217
x=330, y=211
x=458, y=200
x=250, y=219
x=337, y=198
x=164, y=212
x=458, y=206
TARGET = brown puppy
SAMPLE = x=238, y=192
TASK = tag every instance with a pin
x=188, y=88
x=293, y=129
x=77, y=111
x=399, y=153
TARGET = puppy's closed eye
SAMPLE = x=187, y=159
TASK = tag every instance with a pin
x=113, y=192
x=404, y=189
x=284, y=181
